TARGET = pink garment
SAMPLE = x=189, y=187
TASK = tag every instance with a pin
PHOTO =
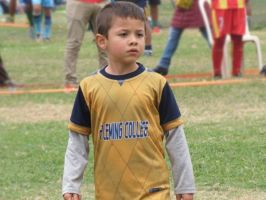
x=191, y=18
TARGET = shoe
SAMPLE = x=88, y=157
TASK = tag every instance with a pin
x=38, y=38
x=69, y=87
x=156, y=29
x=46, y=39
x=217, y=76
x=148, y=52
x=8, y=83
x=263, y=70
x=10, y=19
x=31, y=32
x=160, y=70
x=238, y=75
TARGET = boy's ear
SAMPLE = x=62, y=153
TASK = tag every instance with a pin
x=101, y=41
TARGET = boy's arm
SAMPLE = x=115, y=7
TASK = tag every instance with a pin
x=76, y=159
x=178, y=152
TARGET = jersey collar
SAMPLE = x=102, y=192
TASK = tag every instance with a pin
x=125, y=76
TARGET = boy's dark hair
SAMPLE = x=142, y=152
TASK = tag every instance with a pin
x=120, y=9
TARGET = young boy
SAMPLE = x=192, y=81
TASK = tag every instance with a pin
x=148, y=36
x=128, y=111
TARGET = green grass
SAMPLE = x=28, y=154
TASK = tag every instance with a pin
x=225, y=125
x=258, y=21
x=33, y=153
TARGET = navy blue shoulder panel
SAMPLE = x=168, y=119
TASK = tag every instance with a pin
x=80, y=113
x=168, y=107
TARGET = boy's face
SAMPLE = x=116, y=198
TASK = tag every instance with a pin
x=126, y=40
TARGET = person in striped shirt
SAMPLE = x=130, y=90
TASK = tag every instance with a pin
x=228, y=17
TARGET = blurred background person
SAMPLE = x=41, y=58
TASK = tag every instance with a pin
x=154, y=14
x=80, y=15
x=5, y=80
x=228, y=18
x=182, y=19
x=40, y=8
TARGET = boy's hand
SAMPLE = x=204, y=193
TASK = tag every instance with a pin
x=70, y=196
x=184, y=197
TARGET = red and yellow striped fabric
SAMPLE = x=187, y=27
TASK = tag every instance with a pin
x=228, y=4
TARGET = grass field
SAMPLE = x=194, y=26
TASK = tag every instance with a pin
x=225, y=124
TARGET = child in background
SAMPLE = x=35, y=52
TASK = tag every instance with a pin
x=40, y=7
x=182, y=19
x=228, y=17
x=128, y=111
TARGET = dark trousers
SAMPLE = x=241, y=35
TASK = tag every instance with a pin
x=3, y=74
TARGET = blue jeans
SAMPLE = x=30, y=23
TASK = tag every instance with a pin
x=172, y=44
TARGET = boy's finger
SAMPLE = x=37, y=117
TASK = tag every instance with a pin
x=187, y=197
x=178, y=197
x=76, y=197
x=67, y=196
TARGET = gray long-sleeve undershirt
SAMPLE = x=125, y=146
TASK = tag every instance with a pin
x=76, y=159
x=178, y=152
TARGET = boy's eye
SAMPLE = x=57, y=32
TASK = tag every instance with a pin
x=140, y=35
x=122, y=34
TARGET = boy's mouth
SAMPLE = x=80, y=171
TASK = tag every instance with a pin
x=133, y=51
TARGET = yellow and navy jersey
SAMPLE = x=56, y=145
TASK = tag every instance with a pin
x=228, y=4
x=127, y=115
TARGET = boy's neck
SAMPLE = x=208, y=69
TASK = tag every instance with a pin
x=120, y=69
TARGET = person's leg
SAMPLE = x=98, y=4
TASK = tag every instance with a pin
x=154, y=10
x=171, y=46
x=4, y=77
x=37, y=18
x=3, y=73
x=238, y=29
x=76, y=27
x=47, y=5
x=28, y=9
x=217, y=56
x=102, y=57
x=148, y=36
x=154, y=13
x=237, y=54
x=148, y=40
x=12, y=10
x=4, y=6
x=47, y=32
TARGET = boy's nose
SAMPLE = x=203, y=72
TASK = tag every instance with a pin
x=133, y=40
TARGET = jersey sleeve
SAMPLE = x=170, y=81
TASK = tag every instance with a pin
x=179, y=156
x=170, y=116
x=80, y=121
x=76, y=160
